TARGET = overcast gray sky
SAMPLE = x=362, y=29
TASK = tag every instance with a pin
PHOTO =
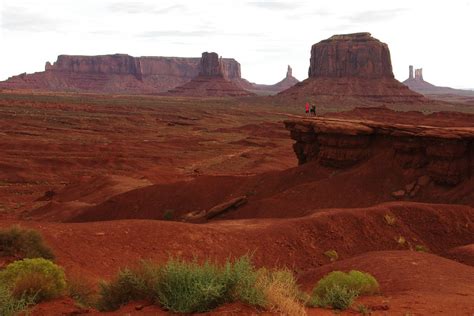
x=264, y=36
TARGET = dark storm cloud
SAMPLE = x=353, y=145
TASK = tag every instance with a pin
x=373, y=16
x=273, y=5
x=19, y=19
x=140, y=7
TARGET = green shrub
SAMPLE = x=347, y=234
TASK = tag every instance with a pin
x=421, y=248
x=363, y=283
x=36, y=278
x=9, y=305
x=128, y=285
x=23, y=243
x=188, y=287
x=363, y=309
x=81, y=290
x=168, y=215
x=339, y=289
x=336, y=296
x=332, y=255
x=242, y=278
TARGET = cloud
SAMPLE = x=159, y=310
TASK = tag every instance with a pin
x=18, y=19
x=273, y=5
x=174, y=33
x=140, y=7
x=373, y=16
x=198, y=33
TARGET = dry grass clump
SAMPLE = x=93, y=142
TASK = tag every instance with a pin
x=191, y=287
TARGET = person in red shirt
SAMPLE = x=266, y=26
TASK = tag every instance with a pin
x=307, y=108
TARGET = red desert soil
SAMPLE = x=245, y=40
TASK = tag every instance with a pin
x=84, y=157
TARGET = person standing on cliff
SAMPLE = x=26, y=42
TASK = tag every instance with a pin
x=313, y=110
x=307, y=108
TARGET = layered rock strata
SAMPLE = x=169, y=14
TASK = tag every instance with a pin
x=211, y=81
x=352, y=65
x=121, y=73
x=445, y=154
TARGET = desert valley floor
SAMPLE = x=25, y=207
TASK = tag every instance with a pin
x=109, y=180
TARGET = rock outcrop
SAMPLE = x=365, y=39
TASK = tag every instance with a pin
x=352, y=65
x=122, y=73
x=418, y=84
x=444, y=154
x=211, y=81
x=265, y=89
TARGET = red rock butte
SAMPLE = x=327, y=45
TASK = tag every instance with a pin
x=125, y=74
x=211, y=81
x=352, y=65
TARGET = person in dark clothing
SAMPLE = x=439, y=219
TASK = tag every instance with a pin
x=313, y=110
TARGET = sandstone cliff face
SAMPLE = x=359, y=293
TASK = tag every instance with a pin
x=350, y=55
x=117, y=73
x=355, y=65
x=210, y=65
x=444, y=154
x=108, y=64
x=211, y=81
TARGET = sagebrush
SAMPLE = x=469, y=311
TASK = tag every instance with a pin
x=189, y=286
x=23, y=243
x=36, y=278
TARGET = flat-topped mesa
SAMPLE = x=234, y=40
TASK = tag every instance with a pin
x=120, y=73
x=352, y=65
x=211, y=65
x=444, y=154
x=351, y=55
x=105, y=64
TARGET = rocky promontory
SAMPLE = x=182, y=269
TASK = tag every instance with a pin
x=444, y=154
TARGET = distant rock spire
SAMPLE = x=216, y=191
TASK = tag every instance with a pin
x=289, y=72
x=419, y=74
x=410, y=72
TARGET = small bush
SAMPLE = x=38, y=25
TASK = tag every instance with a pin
x=242, y=278
x=9, y=305
x=363, y=309
x=390, y=219
x=336, y=296
x=363, y=283
x=36, y=278
x=128, y=285
x=281, y=292
x=81, y=290
x=23, y=243
x=188, y=287
x=337, y=288
x=168, y=215
x=421, y=248
x=401, y=240
x=332, y=255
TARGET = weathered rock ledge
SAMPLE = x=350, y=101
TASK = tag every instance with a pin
x=446, y=153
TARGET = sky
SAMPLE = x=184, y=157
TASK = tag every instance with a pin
x=264, y=36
